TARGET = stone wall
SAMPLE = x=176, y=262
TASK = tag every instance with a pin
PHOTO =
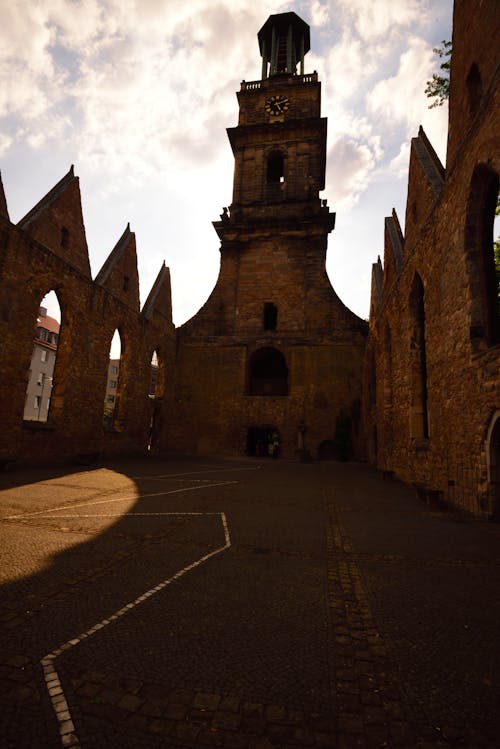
x=47, y=251
x=432, y=368
x=321, y=340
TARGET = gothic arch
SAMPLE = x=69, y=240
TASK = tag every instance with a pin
x=419, y=417
x=480, y=260
x=46, y=366
x=492, y=445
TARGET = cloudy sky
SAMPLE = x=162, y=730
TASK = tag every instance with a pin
x=137, y=95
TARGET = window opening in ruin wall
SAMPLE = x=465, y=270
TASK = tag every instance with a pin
x=41, y=376
x=480, y=252
x=111, y=397
x=419, y=419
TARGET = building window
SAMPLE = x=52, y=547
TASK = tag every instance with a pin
x=270, y=316
x=113, y=369
x=267, y=373
x=110, y=398
x=39, y=379
x=36, y=402
x=112, y=383
x=275, y=168
x=474, y=89
x=43, y=355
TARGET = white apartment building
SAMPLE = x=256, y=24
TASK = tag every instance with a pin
x=43, y=359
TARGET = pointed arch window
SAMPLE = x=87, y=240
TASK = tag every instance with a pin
x=484, y=273
x=47, y=330
x=112, y=395
x=157, y=376
x=419, y=418
x=388, y=366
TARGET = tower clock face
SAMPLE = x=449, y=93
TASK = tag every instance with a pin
x=277, y=104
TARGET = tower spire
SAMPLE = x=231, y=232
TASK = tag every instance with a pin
x=283, y=41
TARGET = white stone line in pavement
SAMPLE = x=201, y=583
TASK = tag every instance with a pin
x=133, y=515
x=67, y=733
x=195, y=473
x=116, y=499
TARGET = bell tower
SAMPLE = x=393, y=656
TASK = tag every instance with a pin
x=273, y=351
x=279, y=145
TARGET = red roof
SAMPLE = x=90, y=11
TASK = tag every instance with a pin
x=49, y=323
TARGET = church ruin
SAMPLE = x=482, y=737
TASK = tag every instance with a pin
x=274, y=363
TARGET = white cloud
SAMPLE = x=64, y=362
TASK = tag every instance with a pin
x=5, y=143
x=401, y=97
x=351, y=164
x=375, y=19
x=398, y=166
x=138, y=93
x=319, y=13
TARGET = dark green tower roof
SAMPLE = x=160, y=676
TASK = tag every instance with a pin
x=284, y=39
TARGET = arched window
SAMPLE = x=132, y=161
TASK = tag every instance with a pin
x=275, y=168
x=112, y=382
x=480, y=251
x=267, y=373
x=419, y=418
x=47, y=331
x=157, y=376
x=270, y=316
x=388, y=367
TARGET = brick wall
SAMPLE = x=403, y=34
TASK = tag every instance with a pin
x=446, y=242
x=47, y=251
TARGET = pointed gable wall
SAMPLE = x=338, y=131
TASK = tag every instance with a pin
x=376, y=289
x=393, y=248
x=474, y=67
x=159, y=301
x=3, y=202
x=57, y=222
x=425, y=182
x=119, y=274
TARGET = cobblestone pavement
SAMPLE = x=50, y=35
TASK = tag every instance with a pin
x=195, y=603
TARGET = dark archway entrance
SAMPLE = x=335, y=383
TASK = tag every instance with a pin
x=263, y=442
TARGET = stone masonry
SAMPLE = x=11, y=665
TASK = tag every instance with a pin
x=432, y=385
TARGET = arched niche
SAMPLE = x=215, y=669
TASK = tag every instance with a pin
x=267, y=372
